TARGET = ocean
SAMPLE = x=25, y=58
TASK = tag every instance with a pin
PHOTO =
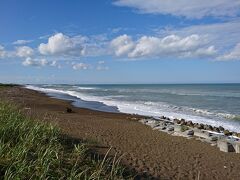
x=213, y=104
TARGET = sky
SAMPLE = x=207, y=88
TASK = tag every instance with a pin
x=119, y=41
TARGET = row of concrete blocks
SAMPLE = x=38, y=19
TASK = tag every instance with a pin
x=222, y=141
x=226, y=146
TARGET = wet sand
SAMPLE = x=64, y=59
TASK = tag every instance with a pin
x=148, y=151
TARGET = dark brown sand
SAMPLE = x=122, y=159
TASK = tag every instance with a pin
x=147, y=151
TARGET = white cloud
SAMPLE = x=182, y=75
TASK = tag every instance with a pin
x=234, y=54
x=201, y=53
x=101, y=62
x=76, y=46
x=153, y=46
x=24, y=51
x=168, y=46
x=54, y=64
x=60, y=44
x=222, y=35
x=80, y=66
x=122, y=45
x=2, y=52
x=101, y=66
x=199, y=41
x=39, y=62
x=185, y=8
x=33, y=62
x=21, y=42
x=44, y=36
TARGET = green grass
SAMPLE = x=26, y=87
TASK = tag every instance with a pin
x=184, y=128
x=30, y=149
x=7, y=85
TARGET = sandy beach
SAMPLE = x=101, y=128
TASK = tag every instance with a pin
x=152, y=154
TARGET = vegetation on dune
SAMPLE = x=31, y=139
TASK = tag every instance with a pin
x=7, y=85
x=34, y=150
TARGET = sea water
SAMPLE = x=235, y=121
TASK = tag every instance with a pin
x=213, y=104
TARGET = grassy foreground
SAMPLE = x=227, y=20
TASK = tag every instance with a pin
x=35, y=150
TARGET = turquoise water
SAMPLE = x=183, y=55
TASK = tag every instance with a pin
x=215, y=104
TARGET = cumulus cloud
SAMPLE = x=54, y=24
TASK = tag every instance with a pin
x=39, y=62
x=168, y=46
x=2, y=52
x=185, y=8
x=60, y=44
x=80, y=66
x=151, y=46
x=54, y=64
x=33, y=62
x=24, y=51
x=223, y=35
x=101, y=66
x=234, y=54
x=21, y=42
x=75, y=46
x=182, y=43
x=122, y=45
x=201, y=52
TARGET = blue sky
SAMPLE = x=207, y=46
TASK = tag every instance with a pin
x=119, y=41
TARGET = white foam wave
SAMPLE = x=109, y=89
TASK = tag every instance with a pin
x=46, y=90
x=208, y=113
x=86, y=88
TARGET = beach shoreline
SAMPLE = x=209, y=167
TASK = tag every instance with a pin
x=101, y=106
x=196, y=103
x=147, y=151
